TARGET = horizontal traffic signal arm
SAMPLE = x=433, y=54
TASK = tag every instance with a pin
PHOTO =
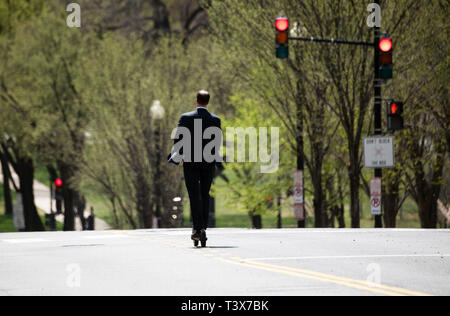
x=330, y=40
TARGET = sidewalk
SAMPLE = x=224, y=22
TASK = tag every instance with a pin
x=42, y=201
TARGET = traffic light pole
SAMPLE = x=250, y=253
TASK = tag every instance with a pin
x=377, y=106
x=300, y=162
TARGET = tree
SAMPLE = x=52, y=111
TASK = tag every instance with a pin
x=48, y=53
x=248, y=188
x=6, y=181
x=19, y=123
x=421, y=81
x=125, y=155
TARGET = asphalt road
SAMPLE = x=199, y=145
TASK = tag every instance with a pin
x=237, y=262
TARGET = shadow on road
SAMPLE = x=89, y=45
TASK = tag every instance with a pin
x=218, y=247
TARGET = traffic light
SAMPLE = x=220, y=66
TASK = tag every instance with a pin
x=59, y=195
x=385, y=48
x=394, y=115
x=282, y=37
x=58, y=183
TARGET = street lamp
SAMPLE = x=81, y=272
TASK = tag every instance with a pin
x=157, y=112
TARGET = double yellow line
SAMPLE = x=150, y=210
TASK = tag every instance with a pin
x=318, y=276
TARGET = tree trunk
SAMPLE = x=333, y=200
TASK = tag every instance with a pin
x=256, y=220
x=354, y=199
x=428, y=211
x=319, y=215
x=340, y=212
x=144, y=205
x=6, y=189
x=67, y=173
x=279, y=221
x=390, y=206
x=428, y=192
x=26, y=175
x=333, y=212
x=390, y=202
x=114, y=209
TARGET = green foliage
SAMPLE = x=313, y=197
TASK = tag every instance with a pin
x=248, y=189
x=6, y=224
x=337, y=80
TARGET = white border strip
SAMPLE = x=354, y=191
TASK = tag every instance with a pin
x=352, y=257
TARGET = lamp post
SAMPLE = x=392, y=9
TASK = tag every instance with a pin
x=157, y=112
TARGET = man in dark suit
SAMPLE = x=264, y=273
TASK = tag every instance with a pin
x=200, y=155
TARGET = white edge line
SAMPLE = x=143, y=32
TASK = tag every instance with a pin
x=351, y=257
x=24, y=240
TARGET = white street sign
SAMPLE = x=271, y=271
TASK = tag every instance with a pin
x=379, y=152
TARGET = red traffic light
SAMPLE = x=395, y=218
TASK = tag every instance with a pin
x=394, y=108
x=58, y=183
x=282, y=24
x=385, y=45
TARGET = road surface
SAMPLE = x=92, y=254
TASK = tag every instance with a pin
x=238, y=262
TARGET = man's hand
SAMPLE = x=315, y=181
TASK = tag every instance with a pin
x=170, y=160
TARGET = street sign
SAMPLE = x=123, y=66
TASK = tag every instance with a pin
x=299, y=211
x=298, y=187
x=375, y=196
x=379, y=152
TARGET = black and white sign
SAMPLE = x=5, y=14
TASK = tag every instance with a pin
x=379, y=152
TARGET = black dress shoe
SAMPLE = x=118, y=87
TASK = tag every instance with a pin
x=203, y=235
x=195, y=235
x=203, y=238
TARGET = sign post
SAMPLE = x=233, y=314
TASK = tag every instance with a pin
x=378, y=153
x=299, y=210
x=375, y=196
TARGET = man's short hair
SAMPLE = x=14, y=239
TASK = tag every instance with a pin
x=203, y=97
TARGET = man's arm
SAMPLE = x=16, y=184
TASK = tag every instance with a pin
x=175, y=140
x=219, y=164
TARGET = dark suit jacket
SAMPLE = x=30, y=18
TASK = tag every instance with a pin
x=207, y=120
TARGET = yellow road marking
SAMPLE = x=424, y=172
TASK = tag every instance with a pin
x=358, y=284
x=308, y=274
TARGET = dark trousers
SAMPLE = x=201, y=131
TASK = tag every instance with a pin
x=198, y=183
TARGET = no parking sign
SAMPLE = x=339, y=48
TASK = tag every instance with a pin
x=375, y=196
x=299, y=211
